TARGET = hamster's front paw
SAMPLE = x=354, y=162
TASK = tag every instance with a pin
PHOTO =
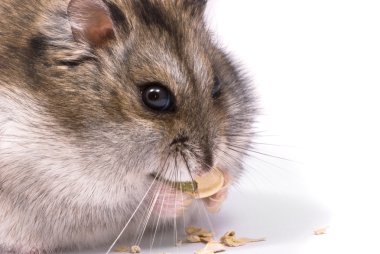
x=214, y=202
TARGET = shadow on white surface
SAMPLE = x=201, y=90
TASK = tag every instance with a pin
x=285, y=221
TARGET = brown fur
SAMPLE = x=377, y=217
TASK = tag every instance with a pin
x=87, y=96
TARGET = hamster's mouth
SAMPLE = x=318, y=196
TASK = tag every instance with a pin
x=203, y=186
x=190, y=187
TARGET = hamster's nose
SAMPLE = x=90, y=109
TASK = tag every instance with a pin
x=179, y=139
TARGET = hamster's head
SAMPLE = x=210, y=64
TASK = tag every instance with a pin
x=143, y=84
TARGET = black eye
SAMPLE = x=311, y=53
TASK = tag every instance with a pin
x=215, y=93
x=157, y=97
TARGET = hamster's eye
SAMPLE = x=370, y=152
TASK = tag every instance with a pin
x=215, y=93
x=157, y=97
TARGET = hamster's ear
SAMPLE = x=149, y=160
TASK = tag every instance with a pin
x=91, y=22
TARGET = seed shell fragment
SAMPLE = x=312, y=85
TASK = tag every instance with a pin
x=135, y=249
x=229, y=239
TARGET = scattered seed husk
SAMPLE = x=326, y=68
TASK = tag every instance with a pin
x=135, y=249
x=203, y=251
x=121, y=248
x=193, y=238
x=201, y=232
x=229, y=239
x=192, y=230
x=206, y=239
x=320, y=231
x=204, y=233
x=195, y=235
x=178, y=243
x=215, y=246
x=211, y=248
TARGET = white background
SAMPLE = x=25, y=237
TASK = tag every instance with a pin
x=316, y=68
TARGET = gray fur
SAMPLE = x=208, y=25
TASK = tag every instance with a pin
x=77, y=146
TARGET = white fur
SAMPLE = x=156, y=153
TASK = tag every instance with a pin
x=52, y=191
x=42, y=172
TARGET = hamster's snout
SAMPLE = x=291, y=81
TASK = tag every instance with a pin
x=197, y=153
x=179, y=139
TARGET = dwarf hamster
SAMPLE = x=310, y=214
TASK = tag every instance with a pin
x=97, y=99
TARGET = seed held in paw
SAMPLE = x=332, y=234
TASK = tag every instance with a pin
x=203, y=186
x=209, y=183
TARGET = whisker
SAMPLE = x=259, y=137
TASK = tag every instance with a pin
x=204, y=208
x=207, y=216
x=256, y=158
x=130, y=219
x=134, y=212
x=157, y=222
x=189, y=171
x=166, y=182
x=248, y=166
x=244, y=150
x=146, y=216
x=190, y=148
x=159, y=192
x=151, y=205
x=149, y=214
x=176, y=172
